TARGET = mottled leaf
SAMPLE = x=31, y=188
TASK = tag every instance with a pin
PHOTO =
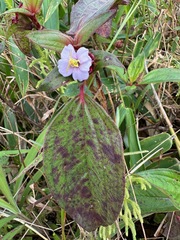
x=50, y=39
x=85, y=10
x=83, y=163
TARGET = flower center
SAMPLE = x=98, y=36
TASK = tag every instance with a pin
x=73, y=62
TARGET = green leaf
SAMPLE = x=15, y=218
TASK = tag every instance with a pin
x=162, y=75
x=50, y=39
x=152, y=200
x=50, y=11
x=18, y=10
x=152, y=45
x=20, y=68
x=7, y=206
x=162, y=141
x=166, y=162
x=83, y=163
x=89, y=28
x=5, y=189
x=10, y=235
x=166, y=181
x=106, y=59
x=85, y=10
x=6, y=220
x=53, y=81
x=33, y=6
x=10, y=123
x=8, y=3
x=133, y=139
x=136, y=67
x=13, y=152
x=120, y=115
x=52, y=8
x=30, y=159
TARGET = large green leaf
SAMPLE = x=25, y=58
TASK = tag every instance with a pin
x=167, y=181
x=152, y=200
x=162, y=75
x=161, y=142
x=50, y=39
x=83, y=163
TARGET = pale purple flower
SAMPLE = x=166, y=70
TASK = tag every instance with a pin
x=75, y=63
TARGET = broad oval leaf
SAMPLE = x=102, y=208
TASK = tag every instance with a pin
x=83, y=163
x=162, y=141
x=50, y=39
x=152, y=200
x=85, y=10
x=162, y=75
x=166, y=181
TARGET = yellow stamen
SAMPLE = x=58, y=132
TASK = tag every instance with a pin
x=73, y=62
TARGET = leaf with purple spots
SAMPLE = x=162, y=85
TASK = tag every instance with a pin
x=84, y=165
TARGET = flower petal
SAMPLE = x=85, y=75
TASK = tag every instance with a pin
x=85, y=66
x=64, y=68
x=79, y=75
x=67, y=52
x=83, y=55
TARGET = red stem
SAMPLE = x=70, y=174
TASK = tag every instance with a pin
x=81, y=94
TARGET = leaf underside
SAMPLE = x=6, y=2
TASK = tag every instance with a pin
x=83, y=163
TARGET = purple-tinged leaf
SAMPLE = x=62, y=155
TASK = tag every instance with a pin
x=85, y=10
x=105, y=29
x=89, y=28
x=19, y=31
x=53, y=40
x=105, y=59
x=53, y=81
x=33, y=6
x=83, y=163
x=22, y=41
